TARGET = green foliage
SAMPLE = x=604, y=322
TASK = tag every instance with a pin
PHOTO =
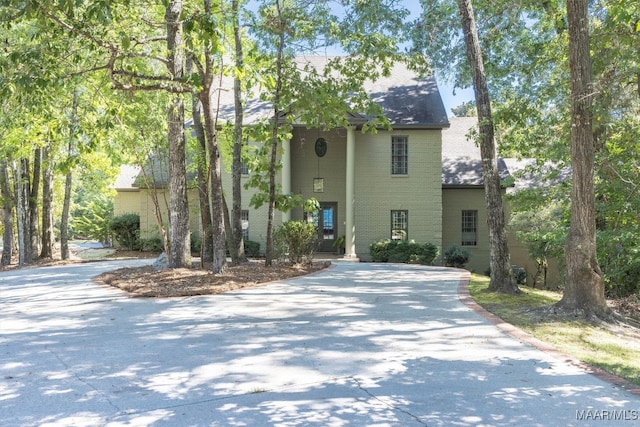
x=539, y=220
x=126, y=230
x=520, y=274
x=296, y=241
x=196, y=244
x=251, y=248
x=466, y=109
x=380, y=250
x=456, y=256
x=619, y=257
x=94, y=220
x=403, y=251
x=152, y=244
x=311, y=205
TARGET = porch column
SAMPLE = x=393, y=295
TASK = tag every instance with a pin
x=286, y=174
x=350, y=232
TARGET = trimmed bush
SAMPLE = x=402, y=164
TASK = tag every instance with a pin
x=380, y=250
x=126, y=230
x=402, y=251
x=456, y=256
x=251, y=248
x=296, y=241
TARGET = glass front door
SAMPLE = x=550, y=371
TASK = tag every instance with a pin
x=326, y=221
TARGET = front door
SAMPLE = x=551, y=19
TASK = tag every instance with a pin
x=327, y=226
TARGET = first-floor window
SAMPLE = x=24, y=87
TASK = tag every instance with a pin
x=469, y=228
x=399, y=225
x=244, y=217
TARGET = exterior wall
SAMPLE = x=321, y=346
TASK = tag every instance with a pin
x=126, y=202
x=258, y=218
x=331, y=167
x=459, y=199
x=141, y=202
x=377, y=192
x=454, y=201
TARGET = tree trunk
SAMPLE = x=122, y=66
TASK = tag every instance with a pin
x=206, y=251
x=219, y=263
x=47, y=205
x=180, y=244
x=7, y=214
x=502, y=278
x=64, y=222
x=66, y=205
x=237, y=249
x=22, y=208
x=584, y=289
x=274, y=146
x=34, y=191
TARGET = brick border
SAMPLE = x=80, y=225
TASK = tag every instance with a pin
x=465, y=297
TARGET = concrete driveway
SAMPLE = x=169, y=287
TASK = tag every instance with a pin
x=356, y=345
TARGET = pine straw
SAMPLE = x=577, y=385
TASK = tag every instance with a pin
x=179, y=282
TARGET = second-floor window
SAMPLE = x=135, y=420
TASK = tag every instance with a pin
x=399, y=155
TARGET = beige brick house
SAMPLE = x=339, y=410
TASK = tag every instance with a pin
x=406, y=183
x=370, y=186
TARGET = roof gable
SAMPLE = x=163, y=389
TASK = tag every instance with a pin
x=407, y=99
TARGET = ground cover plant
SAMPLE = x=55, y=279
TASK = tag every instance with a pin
x=613, y=347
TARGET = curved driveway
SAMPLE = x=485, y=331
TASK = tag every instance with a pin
x=356, y=345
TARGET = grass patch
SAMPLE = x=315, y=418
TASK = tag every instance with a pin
x=615, y=350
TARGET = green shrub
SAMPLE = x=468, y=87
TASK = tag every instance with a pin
x=619, y=257
x=153, y=244
x=456, y=256
x=94, y=220
x=196, y=244
x=403, y=251
x=251, y=248
x=520, y=274
x=381, y=249
x=296, y=241
x=126, y=230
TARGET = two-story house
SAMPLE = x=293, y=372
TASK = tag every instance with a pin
x=405, y=183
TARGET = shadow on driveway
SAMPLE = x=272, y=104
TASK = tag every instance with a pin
x=356, y=345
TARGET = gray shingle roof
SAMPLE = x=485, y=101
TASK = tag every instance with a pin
x=462, y=162
x=407, y=99
x=461, y=159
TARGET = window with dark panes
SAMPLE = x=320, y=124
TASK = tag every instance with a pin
x=399, y=155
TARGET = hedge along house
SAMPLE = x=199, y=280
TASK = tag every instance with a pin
x=370, y=186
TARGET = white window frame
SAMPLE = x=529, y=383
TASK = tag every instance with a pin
x=399, y=224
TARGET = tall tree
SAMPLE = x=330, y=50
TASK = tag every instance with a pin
x=180, y=247
x=48, y=237
x=7, y=213
x=584, y=289
x=502, y=279
x=72, y=136
x=237, y=246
